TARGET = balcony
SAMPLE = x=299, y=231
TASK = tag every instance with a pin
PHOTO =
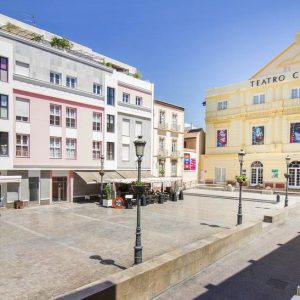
x=175, y=154
x=175, y=127
x=162, y=153
x=162, y=126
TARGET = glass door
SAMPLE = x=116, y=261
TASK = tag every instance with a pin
x=59, y=189
x=34, y=189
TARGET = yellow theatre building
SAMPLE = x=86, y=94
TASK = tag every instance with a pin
x=261, y=116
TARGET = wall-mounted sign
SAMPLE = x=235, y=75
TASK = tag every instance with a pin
x=186, y=161
x=295, y=133
x=222, y=138
x=193, y=164
x=258, y=135
x=274, y=79
x=274, y=173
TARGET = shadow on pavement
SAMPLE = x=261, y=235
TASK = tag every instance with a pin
x=107, y=262
x=273, y=277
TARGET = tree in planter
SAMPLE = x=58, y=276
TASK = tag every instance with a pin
x=107, y=192
x=37, y=37
x=61, y=43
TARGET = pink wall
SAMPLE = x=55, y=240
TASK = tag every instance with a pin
x=40, y=132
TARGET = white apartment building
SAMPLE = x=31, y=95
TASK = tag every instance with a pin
x=61, y=108
x=168, y=140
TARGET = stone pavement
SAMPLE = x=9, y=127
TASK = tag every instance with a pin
x=267, y=268
x=48, y=250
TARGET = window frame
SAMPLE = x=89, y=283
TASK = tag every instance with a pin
x=7, y=155
x=95, y=88
x=7, y=107
x=60, y=115
x=126, y=121
x=259, y=97
x=110, y=97
x=54, y=80
x=126, y=95
x=22, y=120
x=4, y=70
x=70, y=78
x=70, y=149
x=97, y=123
x=108, y=123
x=71, y=118
x=97, y=149
x=108, y=156
x=22, y=64
x=60, y=142
x=22, y=145
x=128, y=159
x=138, y=99
x=222, y=105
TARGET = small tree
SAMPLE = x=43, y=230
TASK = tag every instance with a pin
x=61, y=43
x=107, y=192
x=37, y=37
x=137, y=75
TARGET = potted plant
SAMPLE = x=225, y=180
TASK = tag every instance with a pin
x=241, y=179
x=137, y=75
x=107, y=201
x=61, y=43
x=162, y=172
x=286, y=175
x=37, y=37
x=138, y=187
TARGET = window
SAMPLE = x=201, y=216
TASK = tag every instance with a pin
x=125, y=152
x=97, y=121
x=174, y=168
x=162, y=117
x=138, y=128
x=22, y=68
x=295, y=93
x=174, y=145
x=55, y=78
x=110, y=96
x=71, y=117
x=3, y=143
x=174, y=119
x=222, y=105
x=138, y=101
x=110, y=123
x=110, y=151
x=22, y=145
x=161, y=143
x=55, y=147
x=71, y=82
x=96, y=150
x=126, y=98
x=55, y=115
x=259, y=99
x=256, y=173
x=22, y=110
x=126, y=127
x=3, y=107
x=97, y=89
x=71, y=148
x=3, y=69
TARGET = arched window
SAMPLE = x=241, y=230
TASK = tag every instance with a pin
x=256, y=173
x=294, y=172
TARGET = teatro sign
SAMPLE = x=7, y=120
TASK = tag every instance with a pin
x=274, y=79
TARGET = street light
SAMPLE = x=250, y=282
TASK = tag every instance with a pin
x=139, y=144
x=241, y=160
x=286, y=201
x=101, y=172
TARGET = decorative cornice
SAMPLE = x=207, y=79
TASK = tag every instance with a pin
x=133, y=87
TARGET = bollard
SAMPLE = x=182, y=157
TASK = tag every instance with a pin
x=160, y=198
x=174, y=196
x=180, y=195
x=278, y=198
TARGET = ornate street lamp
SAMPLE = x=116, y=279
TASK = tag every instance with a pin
x=241, y=160
x=139, y=144
x=101, y=172
x=287, y=160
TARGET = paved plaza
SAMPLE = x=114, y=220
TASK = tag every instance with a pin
x=48, y=250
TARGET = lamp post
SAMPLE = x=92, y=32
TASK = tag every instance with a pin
x=101, y=172
x=287, y=160
x=240, y=214
x=139, y=144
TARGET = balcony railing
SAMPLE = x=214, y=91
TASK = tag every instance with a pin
x=162, y=153
x=175, y=154
x=175, y=127
x=162, y=125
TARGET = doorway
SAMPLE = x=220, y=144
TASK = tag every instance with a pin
x=34, y=189
x=256, y=173
x=59, y=189
x=294, y=172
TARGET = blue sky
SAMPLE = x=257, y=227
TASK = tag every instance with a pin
x=184, y=47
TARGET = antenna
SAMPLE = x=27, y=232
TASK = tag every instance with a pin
x=30, y=19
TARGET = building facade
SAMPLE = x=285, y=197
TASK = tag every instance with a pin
x=261, y=116
x=60, y=110
x=168, y=124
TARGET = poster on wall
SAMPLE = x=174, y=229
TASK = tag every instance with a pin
x=258, y=135
x=295, y=133
x=222, y=138
x=193, y=164
x=274, y=173
x=186, y=161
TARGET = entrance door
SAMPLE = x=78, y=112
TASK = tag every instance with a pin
x=1, y=196
x=256, y=173
x=59, y=188
x=294, y=172
x=34, y=189
x=220, y=175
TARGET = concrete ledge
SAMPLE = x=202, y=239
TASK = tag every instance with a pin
x=280, y=215
x=152, y=277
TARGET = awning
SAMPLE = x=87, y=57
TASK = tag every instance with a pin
x=10, y=179
x=94, y=177
x=133, y=174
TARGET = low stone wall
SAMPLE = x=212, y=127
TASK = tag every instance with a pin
x=152, y=277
